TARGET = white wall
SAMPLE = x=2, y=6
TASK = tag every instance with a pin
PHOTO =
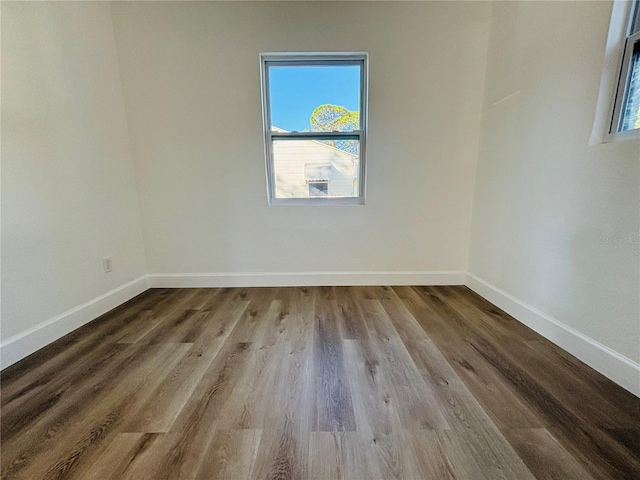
x=191, y=81
x=68, y=188
x=556, y=222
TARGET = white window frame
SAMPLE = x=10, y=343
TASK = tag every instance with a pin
x=310, y=59
x=622, y=86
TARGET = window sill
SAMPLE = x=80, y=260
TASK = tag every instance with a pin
x=622, y=136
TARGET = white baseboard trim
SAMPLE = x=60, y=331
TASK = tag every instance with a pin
x=613, y=365
x=304, y=279
x=25, y=343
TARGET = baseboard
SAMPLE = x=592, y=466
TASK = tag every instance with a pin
x=25, y=343
x=304, y=279
x=615, y=366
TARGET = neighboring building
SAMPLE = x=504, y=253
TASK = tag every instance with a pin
x=307, y=168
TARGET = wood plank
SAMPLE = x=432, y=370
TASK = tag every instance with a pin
x=432, y=457
x=165, y=404
x=301, y=321
x=230, y=454
x=263, y=366
x=505, y=407
x=43, y=427
x=179, y=454
x=603, y=455
x=415, y=399
x=544, y=456
x=326, y=456
x=90, y=434
x=35, y=373
x=462, y=411
x=378, y=422
x=283, y=452
x=121, y=453
x=349, y=317
x=374, y=405
x=333, y=399
x=521, y=346
x=140, y=327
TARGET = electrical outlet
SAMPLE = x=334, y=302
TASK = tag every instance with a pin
x=107, y=264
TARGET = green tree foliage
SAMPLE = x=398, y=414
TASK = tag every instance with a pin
x=334, y=118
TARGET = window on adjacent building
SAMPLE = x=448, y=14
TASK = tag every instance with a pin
x=318, y=189
x=314, y=110
x=626, y=112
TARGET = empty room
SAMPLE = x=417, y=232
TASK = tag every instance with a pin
x=320, y=240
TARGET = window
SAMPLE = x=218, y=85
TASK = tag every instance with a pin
x=314, y=112
x=318, y=176
x=626, y=112
x=318, y=189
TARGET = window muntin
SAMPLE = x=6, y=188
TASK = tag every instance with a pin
x=333, y=137
x=626, y=111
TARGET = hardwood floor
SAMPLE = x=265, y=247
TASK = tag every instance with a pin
x=317, y=383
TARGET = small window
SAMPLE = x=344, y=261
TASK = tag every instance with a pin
x=314, y=111
x=318, y=189
x=626, y=112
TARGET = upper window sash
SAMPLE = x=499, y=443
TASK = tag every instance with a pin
x=634, y=24
x=624, y=85
x=311, y=60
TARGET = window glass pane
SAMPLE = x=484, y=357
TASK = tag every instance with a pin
x=317, y=98
x=318, y=189
x=299, y=164
x=635, y=22
x=631, y=107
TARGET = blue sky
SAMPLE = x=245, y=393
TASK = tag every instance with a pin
x=296, y=91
